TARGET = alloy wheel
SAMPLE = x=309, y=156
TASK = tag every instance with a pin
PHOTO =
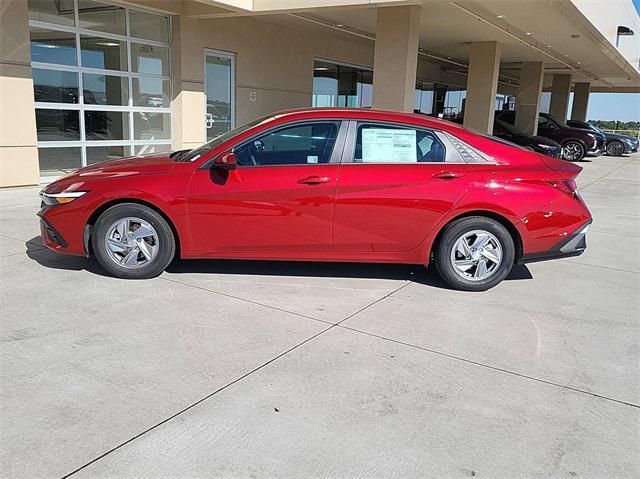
x=476, y=255
x=615, y=148
x=131, y=242
x=572, y=151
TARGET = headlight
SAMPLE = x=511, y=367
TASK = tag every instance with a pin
x=54, y=199
x=546, y=147
x=591, y=135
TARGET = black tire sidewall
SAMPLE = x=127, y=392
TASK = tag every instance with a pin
x=456, y=229
x=165, y=237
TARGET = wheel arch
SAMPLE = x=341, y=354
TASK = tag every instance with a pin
x=88, y=228
x=503, y=220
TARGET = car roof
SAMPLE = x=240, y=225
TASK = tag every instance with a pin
x=367, y=114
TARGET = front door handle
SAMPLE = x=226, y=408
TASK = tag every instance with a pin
x=447, y=175
x=314, y=180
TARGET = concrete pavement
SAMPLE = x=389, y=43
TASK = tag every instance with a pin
x=264, y=369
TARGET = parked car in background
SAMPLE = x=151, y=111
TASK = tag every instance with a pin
x=543, y=145
x=576, y=142
x=616, y=145
x=335, y=184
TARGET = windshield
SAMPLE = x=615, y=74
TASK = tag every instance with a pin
x=196, y=153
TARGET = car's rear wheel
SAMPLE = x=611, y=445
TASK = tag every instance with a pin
x=615, y=148
x=133, y=241
x=573, y=150
x=474, y=253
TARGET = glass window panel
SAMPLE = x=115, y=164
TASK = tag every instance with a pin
x=149, y=26
x=148, y=149
x=149, y=59
x=151, y=91
x=52, y=46
x=151, y=126
x=105, y=89
x=106, y=125
x=55, y=86
x=325, y=84
x=218, y=94
x=59, y=161
x=60, y=11
x=57, y=125
x=395, y=144
x=304, y=144
x=102, y=17
x=96, y=154
x=103, y=53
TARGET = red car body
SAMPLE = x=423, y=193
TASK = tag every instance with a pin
x=345, y=212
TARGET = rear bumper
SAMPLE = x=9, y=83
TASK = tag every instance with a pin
x=573, y=245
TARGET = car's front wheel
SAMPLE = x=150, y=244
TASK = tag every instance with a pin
x=474, y=253
x=133, y=241
x=615, y=148
x=573, y=151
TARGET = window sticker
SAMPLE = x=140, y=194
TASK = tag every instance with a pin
x=312, y=159
x=386, y=145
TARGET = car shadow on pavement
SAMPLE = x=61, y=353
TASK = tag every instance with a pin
x=404, y=272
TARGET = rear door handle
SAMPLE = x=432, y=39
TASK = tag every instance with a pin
x=314, y=180
x=448, y=175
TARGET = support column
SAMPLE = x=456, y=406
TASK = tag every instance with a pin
x=396, y=57
x=482, y=86
x=188, y=118
x=580, y=101
x=560, y=89
x=528, y=98
x=18, y=150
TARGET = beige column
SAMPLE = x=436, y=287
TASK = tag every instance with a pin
x=482, y=85
x=188, y=101
x=18, y=151
x=528, y=98
x=560, y=89
x=580, y=101
x=396, y=57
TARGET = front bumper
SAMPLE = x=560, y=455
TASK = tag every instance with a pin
x=573, y=245
x=596, y=148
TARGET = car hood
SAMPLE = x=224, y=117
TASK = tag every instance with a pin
x=615, y=136
x=578, y=131
x=133, y=165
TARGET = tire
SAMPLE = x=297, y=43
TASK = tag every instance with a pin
x=133, y=241
x=573, y=150
x=467, y=276
x=615, y=148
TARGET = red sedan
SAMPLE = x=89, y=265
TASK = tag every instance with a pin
x=326, y=185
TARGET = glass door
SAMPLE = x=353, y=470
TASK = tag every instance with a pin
x=219, y=92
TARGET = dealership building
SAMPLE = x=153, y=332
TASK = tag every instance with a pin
x=83, y=81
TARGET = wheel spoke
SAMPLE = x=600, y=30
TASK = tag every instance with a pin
x=481, y=270
x=465, y=264
x=116, y=246
x=143, y=232
x=481, y=240
x=123, y=229
x=490, y=254
x=146, y=249
x=131, y=259
x=463, y=247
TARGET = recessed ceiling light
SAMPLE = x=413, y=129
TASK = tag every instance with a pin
x=575, y=35
x=579, y=63
x=501, y=16
x=338, y=25
x=548, y=46
x=528, y=34
x=566, y=55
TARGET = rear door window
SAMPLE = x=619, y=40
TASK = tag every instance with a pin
x=382, y=143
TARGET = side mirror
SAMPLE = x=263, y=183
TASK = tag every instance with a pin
x=226, y=161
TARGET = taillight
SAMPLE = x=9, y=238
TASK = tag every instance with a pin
x=568, y=187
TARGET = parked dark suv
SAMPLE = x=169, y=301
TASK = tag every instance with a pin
x=616, y=145
x=576, y=142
